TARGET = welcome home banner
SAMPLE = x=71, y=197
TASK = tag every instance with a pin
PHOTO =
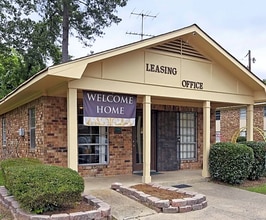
x=108, y=109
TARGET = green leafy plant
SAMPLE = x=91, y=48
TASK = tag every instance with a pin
x=15, y=162
x=258, y=166
x=241, y=139
x=230, y=163
x=39, y=188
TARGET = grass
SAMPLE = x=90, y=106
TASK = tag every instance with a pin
x=1, y=179
x=258, y=189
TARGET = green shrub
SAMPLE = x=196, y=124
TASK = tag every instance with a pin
x=241, y=139
x=258, y=166
x=230, y=163
x=40, y=188
x=16, y=162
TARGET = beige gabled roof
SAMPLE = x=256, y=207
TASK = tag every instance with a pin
x=190, y=41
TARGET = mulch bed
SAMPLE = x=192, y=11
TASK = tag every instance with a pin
x=162, y=194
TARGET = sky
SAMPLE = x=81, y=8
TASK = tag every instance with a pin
x=237, y=25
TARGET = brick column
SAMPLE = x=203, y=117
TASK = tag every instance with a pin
x=146, y=178
x=72, y=130
x=250, y=112
x=206, y=137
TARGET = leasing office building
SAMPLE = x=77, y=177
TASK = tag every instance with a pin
x=174, y=82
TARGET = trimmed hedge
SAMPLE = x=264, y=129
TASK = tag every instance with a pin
x=16, y=162
x=230, y=163
x=258, y=166
x=241, y=139
x=40, y=188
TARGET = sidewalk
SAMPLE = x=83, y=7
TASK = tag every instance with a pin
x=224, y=202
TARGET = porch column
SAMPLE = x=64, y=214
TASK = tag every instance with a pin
x=250, y=115
x=206, y=137
x=72, y=130
x=146, y=178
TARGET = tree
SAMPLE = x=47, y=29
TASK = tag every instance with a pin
x=49, y=23
x=13, y=71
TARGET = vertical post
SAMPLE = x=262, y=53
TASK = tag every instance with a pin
x=250, y=112
x=72, y=130
x=146, y=178
x=206, y=137
x=249, y=60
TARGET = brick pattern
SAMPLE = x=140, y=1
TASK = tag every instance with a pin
x=51, y=137
x=258, y=122
x=51, y=131
x=230, y=123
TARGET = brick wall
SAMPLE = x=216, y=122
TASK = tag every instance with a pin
x=258, y=122
x=51, y=137
x=51, y=128
x=230, y=123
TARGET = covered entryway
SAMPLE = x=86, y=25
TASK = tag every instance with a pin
x=165, y=141
x=137, y=145
x=168, y=140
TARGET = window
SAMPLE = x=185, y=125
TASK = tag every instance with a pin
x=264, y=111
x=93, y=147
x=218, y=115
x=218, y=136
x=92, y=144
x=32, y=127
x=243, y=113
x=188, y=144
x=4, y=131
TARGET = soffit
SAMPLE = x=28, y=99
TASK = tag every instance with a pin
x=46, y=86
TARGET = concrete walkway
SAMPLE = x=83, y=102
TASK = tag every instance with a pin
x=224, y=202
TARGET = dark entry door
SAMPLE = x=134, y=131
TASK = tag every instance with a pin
x=138, y=142
x=168, y=156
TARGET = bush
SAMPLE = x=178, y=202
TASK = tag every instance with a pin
x=230, y=163
x=16, y=162
x=258, y=166
x=40, y=188
x=241, y=139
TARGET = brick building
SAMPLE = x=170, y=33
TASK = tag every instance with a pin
x=231, y=123
x=177, y=81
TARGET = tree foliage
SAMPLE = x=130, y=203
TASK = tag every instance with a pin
x=36, y=32
x=14, y=70
x=42, y=27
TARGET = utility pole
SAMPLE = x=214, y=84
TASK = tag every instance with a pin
x=250, y=59
x=142, y=24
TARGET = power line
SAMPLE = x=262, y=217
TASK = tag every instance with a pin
x=143, y=15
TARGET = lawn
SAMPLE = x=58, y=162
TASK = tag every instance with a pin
x=1, y=179
x=258, y=189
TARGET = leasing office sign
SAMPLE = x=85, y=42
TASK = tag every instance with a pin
x=108, y=109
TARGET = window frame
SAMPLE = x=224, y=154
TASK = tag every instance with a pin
x=191, y=139
x=4, y=139
x=218, y=115
x=243, y=113
x=264, y=111
x=92, y=138
x=32, y=128
x=93, y=145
